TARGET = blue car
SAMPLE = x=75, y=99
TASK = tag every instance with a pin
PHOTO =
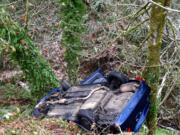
x=99, y=102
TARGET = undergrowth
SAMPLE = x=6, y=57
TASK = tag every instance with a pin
x=72, y=12
x=17, y=43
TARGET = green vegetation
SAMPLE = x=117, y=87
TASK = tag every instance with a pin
x=17, y=43
x=71, y=15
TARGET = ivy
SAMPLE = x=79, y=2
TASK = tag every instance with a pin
x=17, y=43
x=72, y=12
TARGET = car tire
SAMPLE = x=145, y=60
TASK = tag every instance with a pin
x=115, y=79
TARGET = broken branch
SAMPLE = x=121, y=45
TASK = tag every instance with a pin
x=166, y=8
x=173, y=31
x=162, y=84
x=168, y=92
x=137, y=25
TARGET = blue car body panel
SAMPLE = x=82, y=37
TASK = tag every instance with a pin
x=94, y=77
x=135, y=112
x=47, y=95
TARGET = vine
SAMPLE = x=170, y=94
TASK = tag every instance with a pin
x=17, y=43
x=72, y=12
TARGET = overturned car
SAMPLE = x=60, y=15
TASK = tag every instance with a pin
x=111, y=102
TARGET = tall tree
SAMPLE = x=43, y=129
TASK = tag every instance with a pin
x=151, y=71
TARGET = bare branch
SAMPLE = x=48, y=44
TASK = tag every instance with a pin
x=162, y=84
x=173, y=31
x=137, y=25
x=12, y=3
x=168, y=128
x=168, y=92
x=166, y=8
x=142, y=8
x=143, y=42
x=137, y=14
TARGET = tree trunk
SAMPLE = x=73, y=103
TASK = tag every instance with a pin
x=15, y=42
x=151, y=71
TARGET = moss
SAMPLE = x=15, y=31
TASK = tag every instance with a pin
x=151, y=72
x=20, y=48
x=72, y=12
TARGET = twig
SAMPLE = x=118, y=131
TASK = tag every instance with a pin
x=168, y=93
x=137, y=25
x=171, y=116
x=136, y=15
x=162, y=85
x=134, y=5
x=121, y=33
x=167, y=30
x=24, y=86
x=125, y=17
x=12, y=3
x=164, y=51
x=26, y=14
x=168, y=128
x=166, y=8
x=145, y=11
x=35, y=14
x=173, y=31
x=143, y=7
x=143, y=42
x=120, y=130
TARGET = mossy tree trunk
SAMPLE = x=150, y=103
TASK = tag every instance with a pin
x=17, y=43
x=151, y=72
